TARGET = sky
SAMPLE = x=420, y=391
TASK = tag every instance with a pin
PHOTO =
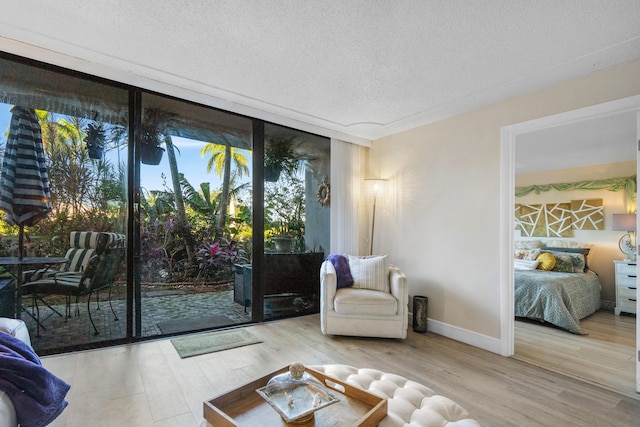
x=190, y=163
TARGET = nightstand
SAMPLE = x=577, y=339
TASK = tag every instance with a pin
x=625, y=287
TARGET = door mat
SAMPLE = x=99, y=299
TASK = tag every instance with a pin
x=210, y=342
x=195, y=324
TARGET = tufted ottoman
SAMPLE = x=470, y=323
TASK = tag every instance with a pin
x=409, y=403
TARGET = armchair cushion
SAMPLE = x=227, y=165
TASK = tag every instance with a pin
x=370, y=272
x=365, y=301
x=78, y=259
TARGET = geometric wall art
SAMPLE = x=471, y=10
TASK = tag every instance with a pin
x=558, y=219
x=527, y=219
x=587, y=214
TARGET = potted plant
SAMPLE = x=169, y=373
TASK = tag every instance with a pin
x=154, y=124
x=280, y=155
x=95, y=140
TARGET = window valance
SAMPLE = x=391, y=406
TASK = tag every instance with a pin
x=628, y=184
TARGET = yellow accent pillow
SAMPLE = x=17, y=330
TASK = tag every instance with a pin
x=547, y=261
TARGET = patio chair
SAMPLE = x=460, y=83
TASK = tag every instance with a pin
x=98, y=275
x=83, y=245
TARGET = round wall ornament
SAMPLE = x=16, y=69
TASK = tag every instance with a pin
x=324, y=193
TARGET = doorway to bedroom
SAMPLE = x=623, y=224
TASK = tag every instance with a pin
x=606, y=356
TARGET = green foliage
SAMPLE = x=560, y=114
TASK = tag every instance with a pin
x=285, y=210
x=85, y=194
x=216, y=258
x=282, y=152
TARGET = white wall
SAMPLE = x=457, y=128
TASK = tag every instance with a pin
x=603, y=243
x=443, y=228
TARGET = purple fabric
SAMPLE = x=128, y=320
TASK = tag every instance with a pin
x=37, y=395
x=343, y=273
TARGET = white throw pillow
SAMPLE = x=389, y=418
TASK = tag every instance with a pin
x=370, y=272
x=525, y=264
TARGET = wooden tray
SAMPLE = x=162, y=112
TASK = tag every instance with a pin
x=243, y=407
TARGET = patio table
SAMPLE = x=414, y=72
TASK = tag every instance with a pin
x=39, y=264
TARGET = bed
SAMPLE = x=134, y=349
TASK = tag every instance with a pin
x=560, y=296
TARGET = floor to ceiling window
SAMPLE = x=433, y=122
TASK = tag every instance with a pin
x=81, y=127
x=195, y=217
x=296, y=220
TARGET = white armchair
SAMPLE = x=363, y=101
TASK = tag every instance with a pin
x=358, y=311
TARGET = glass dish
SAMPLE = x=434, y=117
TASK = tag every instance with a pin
x=296, y=394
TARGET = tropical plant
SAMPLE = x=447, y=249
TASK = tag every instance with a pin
x=95, y=140
x=153, y=131
x=217, y=257
x=203, y=202
x=281, y=154
x=154, y=125
x=78, y=185
x=285, y=210
x=222, y=154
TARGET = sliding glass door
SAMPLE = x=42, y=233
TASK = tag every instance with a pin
x=194, y=217
x=82, y=127
x=211, y=219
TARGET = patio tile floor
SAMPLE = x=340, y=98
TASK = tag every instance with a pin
x=157, y=306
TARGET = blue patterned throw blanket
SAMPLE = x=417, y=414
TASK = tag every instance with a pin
x=37, y=395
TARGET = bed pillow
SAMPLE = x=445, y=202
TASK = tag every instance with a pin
x=547, y=261
x=567, y=262
x=583, y=251
x=370, y=272
x=528, y=244
x=563, y=263
x=528, y=254
x=524, y=264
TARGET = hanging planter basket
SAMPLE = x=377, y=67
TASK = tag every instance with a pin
x=272, y=173
x=151, y=154
x=95, y=151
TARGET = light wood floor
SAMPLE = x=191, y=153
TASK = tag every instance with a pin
x=148, y=384
x=604, y=357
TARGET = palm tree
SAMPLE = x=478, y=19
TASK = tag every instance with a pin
x=222, y=152
x=202, y=201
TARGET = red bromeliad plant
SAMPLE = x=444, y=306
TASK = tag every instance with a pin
x=217, y=257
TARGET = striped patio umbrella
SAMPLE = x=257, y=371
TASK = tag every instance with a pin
x=24, y=184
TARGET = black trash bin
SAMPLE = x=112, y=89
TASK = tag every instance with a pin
x=420, y=313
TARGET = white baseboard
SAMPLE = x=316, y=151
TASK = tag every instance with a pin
x=463, y=335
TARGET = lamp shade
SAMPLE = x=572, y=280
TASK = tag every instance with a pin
x=624, y=222
x=376, y=189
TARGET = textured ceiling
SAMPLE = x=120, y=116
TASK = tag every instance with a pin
x=360, y=68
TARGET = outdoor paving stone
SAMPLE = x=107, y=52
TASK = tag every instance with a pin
x=77, y=330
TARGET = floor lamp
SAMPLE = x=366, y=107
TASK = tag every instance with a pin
x=376, y=189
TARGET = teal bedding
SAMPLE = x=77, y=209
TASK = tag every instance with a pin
x=561, y=299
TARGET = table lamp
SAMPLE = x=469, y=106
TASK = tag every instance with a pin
x=627, y=243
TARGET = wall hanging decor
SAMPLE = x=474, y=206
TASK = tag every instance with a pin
x=324, y=193
x=558, y=219
x=587, y=214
